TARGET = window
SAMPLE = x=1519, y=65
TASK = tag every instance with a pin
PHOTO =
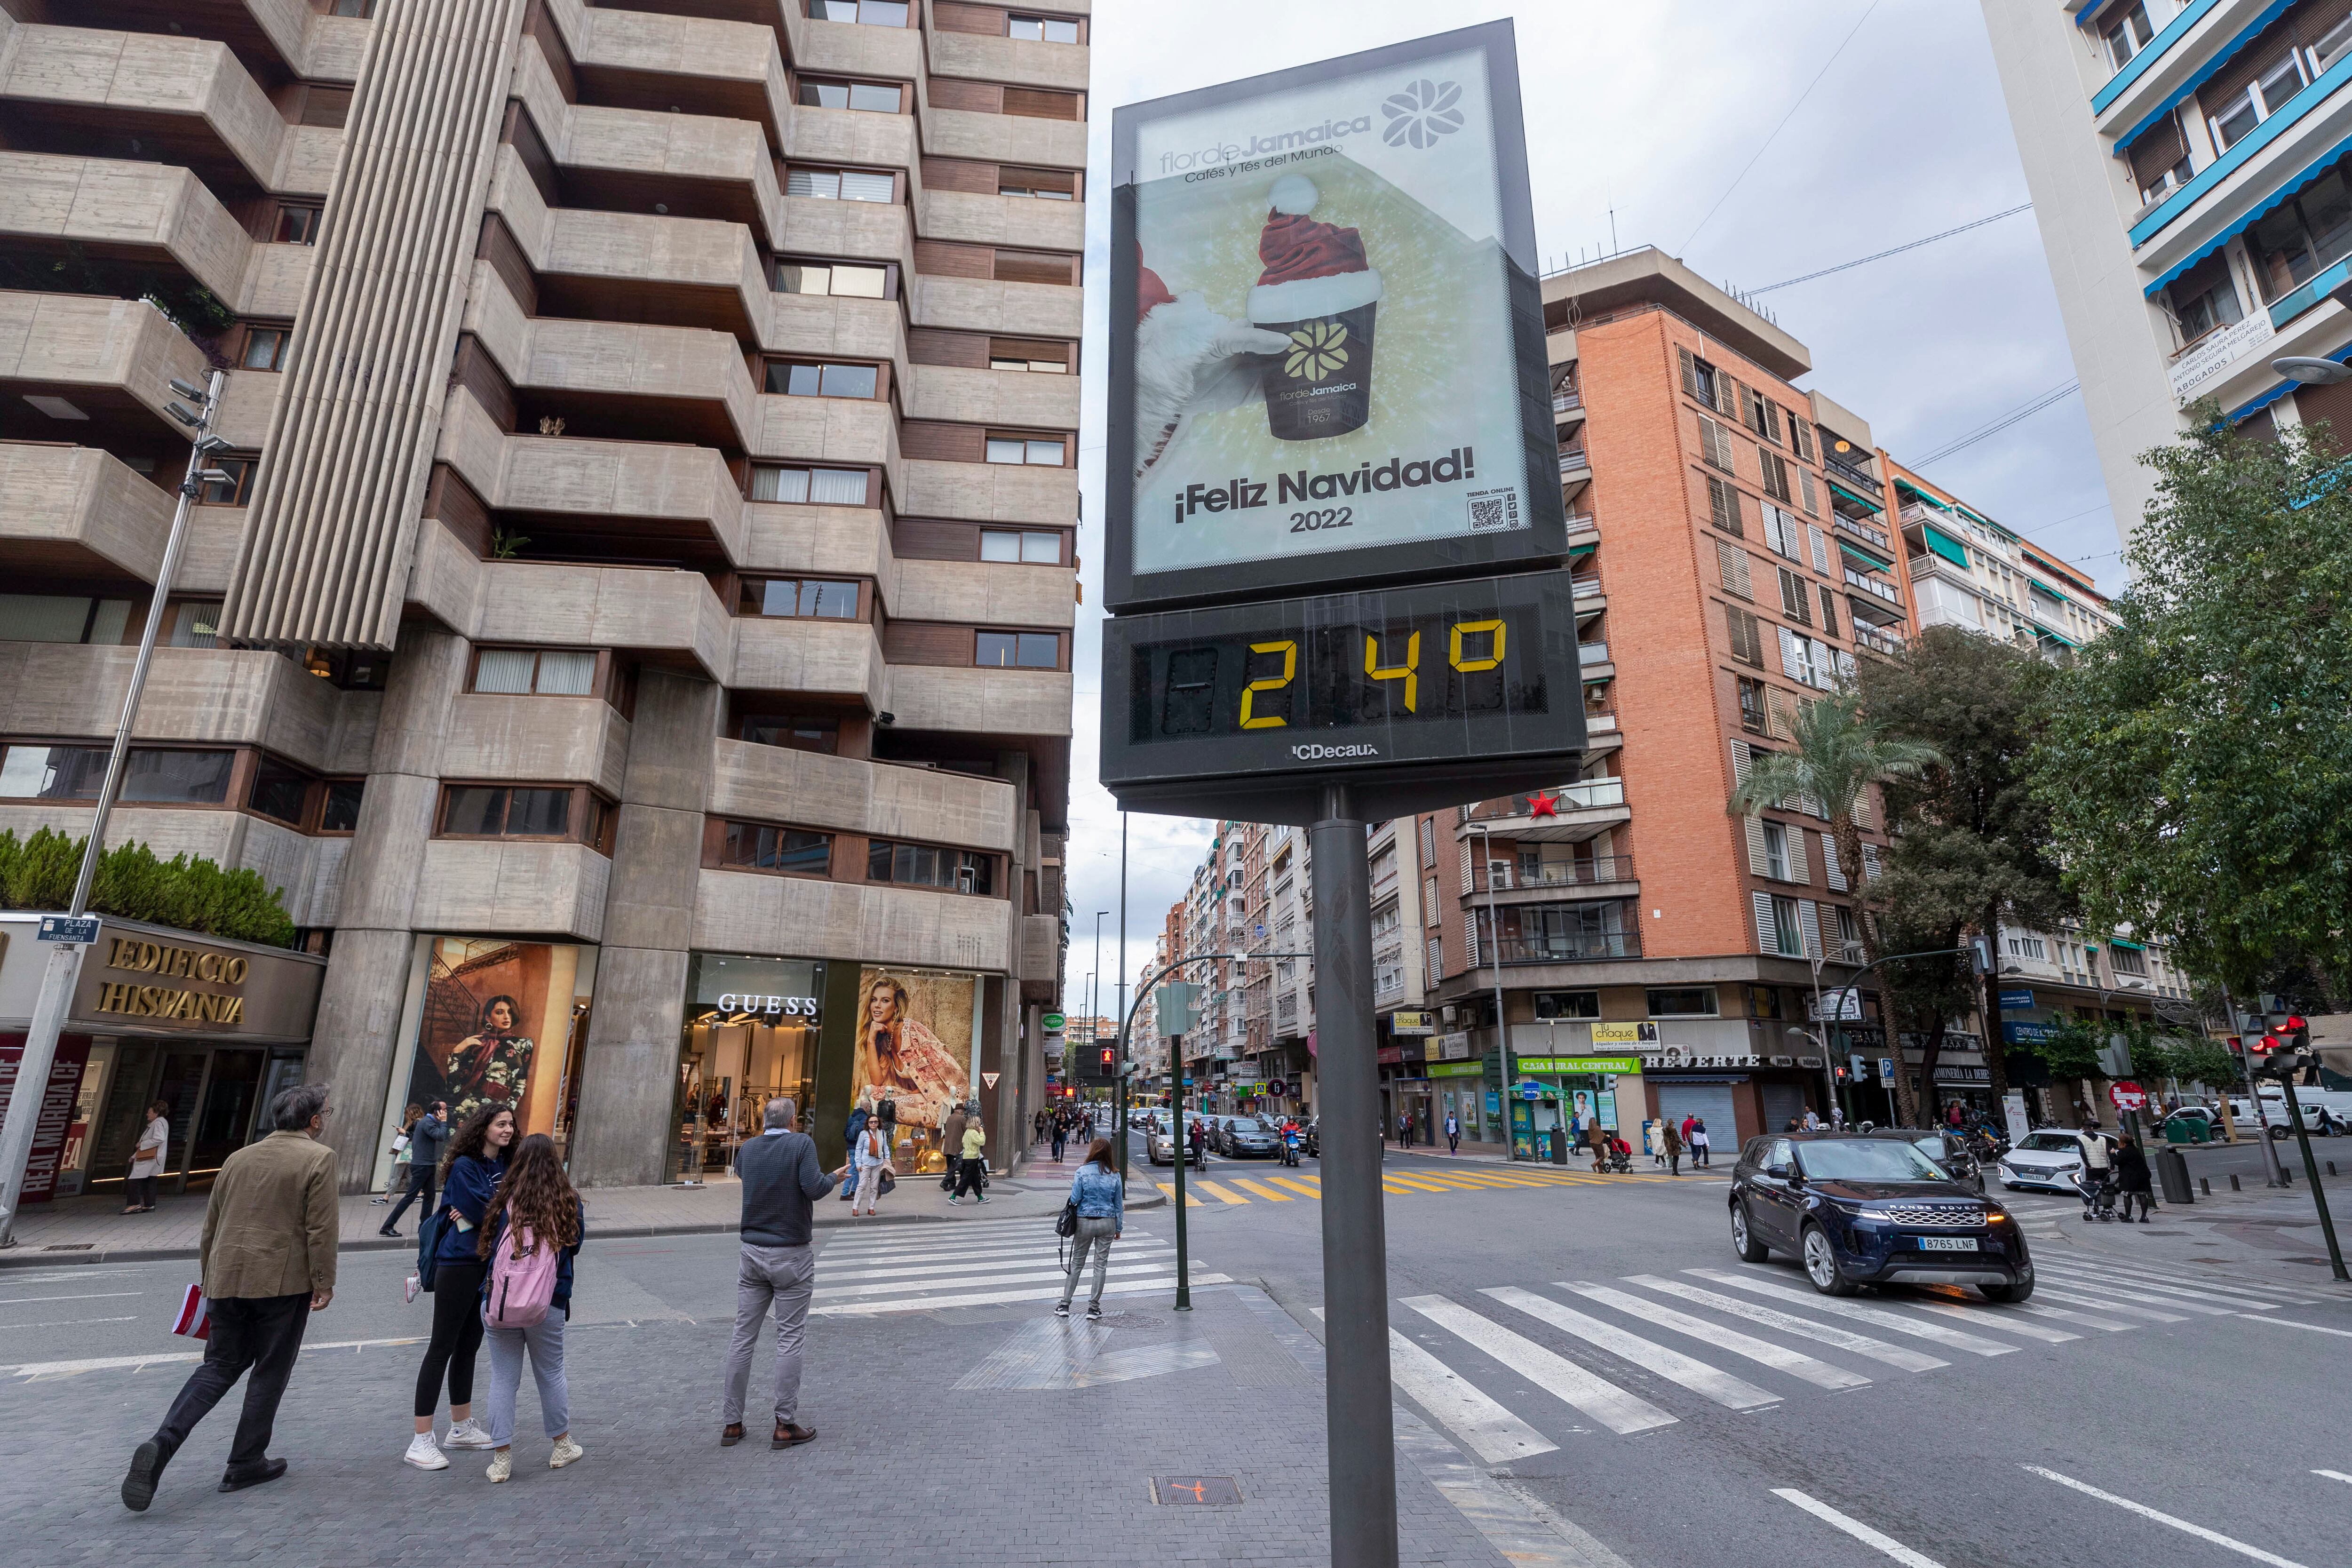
x=279, y=792
x=338, y=811
x=1034, y=547
x=1723, y=508
x=1043, y=29
x=1039, y=451
x=1698, y=378
x=1041, y=356
x=878, y=97
x=1787, y=937
x=870, y=13
x=1714, y=445
x=2262, y=98
x=1763, y=1002
x=1793, y=599
x=504, y=811
x=2129, y=35
x=1776, y=476
x=821, y=735
x=841, y=185
x=2025, y=947
x=362, y=9
x=1849, y=931
x=151, y=775
x=2126, y=959
x=1746, y=641
x=1753, y=717
x=1783, y=533
x=823, y=379
x=1045, y=185
x=543, y=672
x=2204, y=298
x=1762, y=415
x=817, y=486
x=840, y=280
x=1683, y=1002
x=750, y=847
x=1829, y=611
x=805, y=598
x=1776, y=852
x=1028, y=650
x=236, y=490
x=297, y=224
x=2331, y=46
x=1550, y=1005
x=925, y=865
x=265, y=348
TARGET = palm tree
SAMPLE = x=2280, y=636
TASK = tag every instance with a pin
x=1839, y=753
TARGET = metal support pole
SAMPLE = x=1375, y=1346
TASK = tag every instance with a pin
x=1359, y=1426
x=64, y=967
x=1502, y=1027
x=2311, y=1169
x=1181, y=1149
x=1122, y=1064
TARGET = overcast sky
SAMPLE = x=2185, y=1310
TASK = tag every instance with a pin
x=1653, y=109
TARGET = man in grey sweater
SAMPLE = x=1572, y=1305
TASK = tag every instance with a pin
x=782, y=1179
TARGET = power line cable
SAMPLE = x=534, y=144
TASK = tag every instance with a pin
x=1846, y=266
x=1776, y=129
x=2047, y=400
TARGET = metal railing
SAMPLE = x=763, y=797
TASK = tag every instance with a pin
x=1585, y=585
x=1565, y=400
x=1872, y=586
x=1590, y=795
x=1568, y=949
x=1878, y=642
x=1557, y=874
x=1581, y=522
x=1573, y=460
x=1869, y=533
x=1592, y=653
x=1846, y=473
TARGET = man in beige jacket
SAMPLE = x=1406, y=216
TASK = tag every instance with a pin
x=268, y=1262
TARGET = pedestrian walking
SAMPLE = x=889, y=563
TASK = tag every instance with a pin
x=2132, y=1173
x=1404, y=1130
x=147, y=1160
x=266, y=1261
x=1061, y=1140
x=399, y=1177
x=1453, y=1133
x=777, y=1268
x=887, y=1113
x=869, y=1158
x=428, y=1139
x=2098, y=1164
x=1698, y=1139
x=972, y=1169
x=1102, y=1216
x=1673, y=1141
x=1199, y=1139
x=471, y=1170
x=951, y=1146
x=528, y=1246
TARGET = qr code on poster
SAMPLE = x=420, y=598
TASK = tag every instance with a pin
x=1493, y=509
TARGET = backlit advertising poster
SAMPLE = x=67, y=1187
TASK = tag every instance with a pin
x=494, y=1028
x=1329, y=346
x=915, y=1037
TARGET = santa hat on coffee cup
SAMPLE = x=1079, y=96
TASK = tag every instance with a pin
x=1311, y=268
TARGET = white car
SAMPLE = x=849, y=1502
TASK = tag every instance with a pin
x=2050, y=1159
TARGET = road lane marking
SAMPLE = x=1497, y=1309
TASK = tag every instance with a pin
x=1214, y=1191
x=2291, y=1324
x=1189, y=1201
x=2043, y=1291
x=1038, y=1258
x=1844, y=1308
x=2035, y=1308
x=1855, y=1528
x=1262, y=1190
x=1492, y=1432
x=1820, y=1373
x=1557, y=1375
x=1002, y=1297
x=1733, y=1393
x=1301, y=1188
x=2259, y=1291
x=2182, y=1525
x=38, y=1369
x=1844, y=1339
x=1041, y=1270
x=2333, y=1474
x=94, y=1296
x=71, y=1322
x=2094, y=1282
x=1994, y=1319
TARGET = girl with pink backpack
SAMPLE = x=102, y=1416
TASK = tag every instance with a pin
x=529, y=1235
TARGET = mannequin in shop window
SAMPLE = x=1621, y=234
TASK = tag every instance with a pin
x=902, y=1062
x=490, y=1065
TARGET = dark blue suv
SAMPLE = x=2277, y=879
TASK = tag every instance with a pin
x=1859, y=1210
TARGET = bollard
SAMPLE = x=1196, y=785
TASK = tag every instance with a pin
x=2287, y=1176
x=2331, y=1167
x=2233, y=1183
x=2172, y=1175
x=2205, y=1183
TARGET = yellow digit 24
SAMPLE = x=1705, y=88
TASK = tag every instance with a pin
x=1289, y=652
x=1407, y=672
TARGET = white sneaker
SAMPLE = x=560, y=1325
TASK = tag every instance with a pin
x=468, y=1434
x=423, y=1453
x=566, y=1452
x=501, y=1465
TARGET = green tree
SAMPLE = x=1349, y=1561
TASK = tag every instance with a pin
x=1973, y=847
x=38, y=873
x=1837, y=753
x=2196, y=760
x=2070, y=1048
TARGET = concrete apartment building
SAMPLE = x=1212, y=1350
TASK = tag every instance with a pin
x=633, y=628
x=2187, y=164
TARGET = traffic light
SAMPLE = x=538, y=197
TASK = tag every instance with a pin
x=1858, y=1066
x=1180, y=1008
x=1980, y=956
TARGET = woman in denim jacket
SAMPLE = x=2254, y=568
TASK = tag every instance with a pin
x=1102, y=1214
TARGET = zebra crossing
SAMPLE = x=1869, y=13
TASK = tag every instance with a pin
x=1297, y=1184
x=979, y=1263
x=1747, y=1338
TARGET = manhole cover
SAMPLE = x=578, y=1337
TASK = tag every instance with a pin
x=1196, y=1491
x=1131, y=1320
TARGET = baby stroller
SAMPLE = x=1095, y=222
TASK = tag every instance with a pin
x=2100, y=1190
x=1617, y=1158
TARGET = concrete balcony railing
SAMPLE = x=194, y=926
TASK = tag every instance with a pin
x=817, y=658
x=490, y=885
x=978, y=305
x=111, y=359
x=989, y=492
x=717, y=67
x=741, y=911
x=1023, y=223
x=1005, y=138
x=887, y=800
x=852, y=48
x=993, y=594
x=153, y=212
x=985, y=700
x=1022, y=399
x=74, y=511
x=880, y=233
x=1041, y=956
x=644, y=609
x=221, y=695
x=843, y=431
x=575, y=740
x=1025, y=62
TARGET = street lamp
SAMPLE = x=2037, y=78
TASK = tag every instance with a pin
x=64, y=967
x=2312, y=371
x=1094, y=982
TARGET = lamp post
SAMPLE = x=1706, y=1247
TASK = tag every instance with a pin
x=1502, y=1027
x=64, y=967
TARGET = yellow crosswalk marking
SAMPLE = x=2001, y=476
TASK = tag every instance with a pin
x=1263, y=1191
x=1299, y=1187
x=1189, y=1201
x=1413, y=1183
x=1215, y=1191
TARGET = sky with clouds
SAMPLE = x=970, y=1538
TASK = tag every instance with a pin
x=1650, y=111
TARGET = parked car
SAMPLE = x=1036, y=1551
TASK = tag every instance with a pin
x=1857, y=1209
x=2049, y=1159
x=1241, y=1137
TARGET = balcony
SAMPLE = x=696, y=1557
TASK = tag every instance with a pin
x=1868, y=532
x=1570, y=949
x=1577, y=812
x=1585, y=584
x=1875, y=586
x=1582, y=528
x=1588, y=653
x=75, y=511
x=1599, y=870
x=1847, y=474
x=1575, y=471
x=1874, y=641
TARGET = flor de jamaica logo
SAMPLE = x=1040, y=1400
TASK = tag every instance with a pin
x=1317, y=350
x=1421, y=114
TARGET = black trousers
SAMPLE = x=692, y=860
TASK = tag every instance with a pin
x=420, y=1185
x=139, y=1193
x=456, y=1336
x=970, y=1174
x=261, y=1334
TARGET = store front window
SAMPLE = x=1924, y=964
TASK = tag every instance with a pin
x=751, y=1035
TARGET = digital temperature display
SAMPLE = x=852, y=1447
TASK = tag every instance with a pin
x=1474, y=674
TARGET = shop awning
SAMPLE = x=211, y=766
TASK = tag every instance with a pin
x=1945, y=545
x=1861, y=500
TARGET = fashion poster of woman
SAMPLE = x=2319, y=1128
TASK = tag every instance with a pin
x=914, y=1047
x=493, y=1027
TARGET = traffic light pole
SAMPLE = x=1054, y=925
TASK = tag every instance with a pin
x=2311, y=1169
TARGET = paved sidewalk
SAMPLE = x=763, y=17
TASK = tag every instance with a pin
x=96, y=1230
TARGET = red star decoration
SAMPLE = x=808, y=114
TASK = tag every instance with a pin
x=1543, y=805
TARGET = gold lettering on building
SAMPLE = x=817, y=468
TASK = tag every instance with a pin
x=176, y=1004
